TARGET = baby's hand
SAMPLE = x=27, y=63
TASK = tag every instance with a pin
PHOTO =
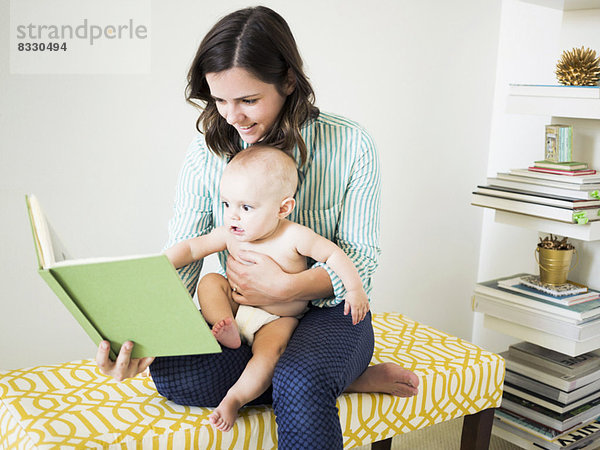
x=357, y=302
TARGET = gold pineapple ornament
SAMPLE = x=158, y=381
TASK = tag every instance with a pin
x=578, y=67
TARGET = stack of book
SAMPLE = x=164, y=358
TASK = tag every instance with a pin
x=566, y=192
x=566, y=320
x=531, y=435
x=570, y=168
x=551, y=400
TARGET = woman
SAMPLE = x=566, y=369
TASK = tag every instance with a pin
x=248, y=77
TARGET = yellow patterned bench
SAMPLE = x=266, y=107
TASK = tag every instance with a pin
x=72, y=405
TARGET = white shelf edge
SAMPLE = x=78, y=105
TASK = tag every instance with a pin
x=581, y=108
x=566, y=5
x=554, y=90
x=588, y=232
x=562, y=345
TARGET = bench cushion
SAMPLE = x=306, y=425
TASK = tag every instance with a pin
x=72, y=404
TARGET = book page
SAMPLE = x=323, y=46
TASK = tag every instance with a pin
x=41, y=233
x=59, y=251
x=48, y=245
x=75, y=262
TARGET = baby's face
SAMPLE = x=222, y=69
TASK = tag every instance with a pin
x=250, y=205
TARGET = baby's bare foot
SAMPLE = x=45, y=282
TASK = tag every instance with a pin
x=223, y=417
x=388, y=378
x=227, y=333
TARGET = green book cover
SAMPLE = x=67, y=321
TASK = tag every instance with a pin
x=141, y=299
x=568, y=165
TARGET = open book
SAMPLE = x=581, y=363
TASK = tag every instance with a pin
x=140, y=298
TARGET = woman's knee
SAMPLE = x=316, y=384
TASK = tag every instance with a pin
x=199, y=380
x=299, y=382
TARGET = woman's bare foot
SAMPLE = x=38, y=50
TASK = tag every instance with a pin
x=223, y=417
x=227, y=333
x=388, y=378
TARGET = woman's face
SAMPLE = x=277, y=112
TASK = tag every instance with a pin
x=248, y=104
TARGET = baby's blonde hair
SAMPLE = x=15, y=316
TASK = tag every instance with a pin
x=276, y=167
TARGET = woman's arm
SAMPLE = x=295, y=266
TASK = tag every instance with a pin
x=358, y=225
x=193, y=214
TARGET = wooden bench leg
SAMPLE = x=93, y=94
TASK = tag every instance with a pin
x=386, y=444
x=477, y=430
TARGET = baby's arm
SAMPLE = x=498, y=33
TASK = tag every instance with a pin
x=190, y=250
x=315, y=246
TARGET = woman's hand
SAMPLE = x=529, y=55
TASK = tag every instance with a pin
x=124, y=367
x=262, y=282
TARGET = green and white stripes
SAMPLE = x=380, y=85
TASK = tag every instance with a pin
x=338, y=196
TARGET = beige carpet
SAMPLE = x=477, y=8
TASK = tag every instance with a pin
x=443, y=436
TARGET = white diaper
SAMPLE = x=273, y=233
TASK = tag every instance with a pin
x=250, y=319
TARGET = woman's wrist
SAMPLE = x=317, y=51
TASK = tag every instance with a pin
x=308, y=285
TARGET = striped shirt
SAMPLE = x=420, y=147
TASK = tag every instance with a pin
x=338, y=197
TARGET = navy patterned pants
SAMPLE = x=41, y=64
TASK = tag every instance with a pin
x=325, y=354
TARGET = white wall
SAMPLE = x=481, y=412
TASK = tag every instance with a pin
x=102, y=152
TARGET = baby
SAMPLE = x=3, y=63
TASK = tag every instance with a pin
x=257, y=192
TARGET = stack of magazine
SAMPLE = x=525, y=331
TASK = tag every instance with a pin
x=551, y=400
x=567, y=320
x=562, y=194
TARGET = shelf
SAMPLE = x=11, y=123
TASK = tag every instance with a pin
x=566, y=5
x=562, y=101
x=556, y=343
x=588, y=232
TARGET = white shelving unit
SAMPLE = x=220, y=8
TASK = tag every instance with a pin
x=514, y=141
x=517, y=139
x=579, y=106
x=545, y=100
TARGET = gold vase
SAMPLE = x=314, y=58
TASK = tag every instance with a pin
x=555, y=265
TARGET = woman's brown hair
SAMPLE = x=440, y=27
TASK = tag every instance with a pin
x=260, y=41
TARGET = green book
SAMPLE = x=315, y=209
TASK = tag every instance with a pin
x=566, y=166
x=139, y=299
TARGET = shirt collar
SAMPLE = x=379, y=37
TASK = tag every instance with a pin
x=308, y=136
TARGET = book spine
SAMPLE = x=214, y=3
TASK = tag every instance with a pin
x=564, y=150
x=562, y=172
x=562, y=167
x=570, y=144
x=528, y=425
x=561, y=145
x=566, y=364
x=564, y=142
x=579, y=435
